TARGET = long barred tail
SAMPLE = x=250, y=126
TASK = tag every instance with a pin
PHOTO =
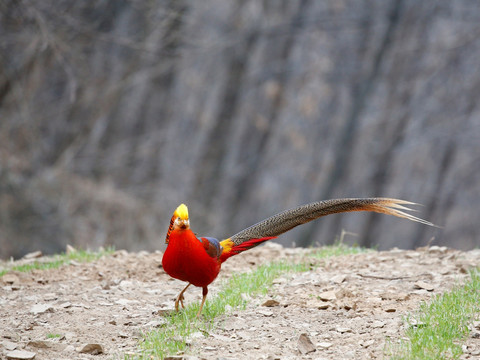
x=287, y=220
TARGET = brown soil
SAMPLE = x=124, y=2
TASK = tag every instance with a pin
x=346, y=308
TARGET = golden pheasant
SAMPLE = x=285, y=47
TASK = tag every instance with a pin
x=197, y=260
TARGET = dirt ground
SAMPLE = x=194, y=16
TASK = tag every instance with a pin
x=346, y=308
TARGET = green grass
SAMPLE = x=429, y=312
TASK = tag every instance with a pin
x=338, y=249
x=174, y=337
x=57, y=260
x=440, y=327
x=53, y=336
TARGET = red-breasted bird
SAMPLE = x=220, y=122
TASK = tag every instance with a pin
x=197, y=260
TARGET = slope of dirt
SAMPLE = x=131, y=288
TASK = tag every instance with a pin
x=344, y=309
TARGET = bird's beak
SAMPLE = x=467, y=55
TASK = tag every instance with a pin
x=183, y=223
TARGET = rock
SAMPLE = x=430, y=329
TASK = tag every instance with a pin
x=8, y=345
x=434, y=249
x=70, y=249
x=66, y=305
x=126, y=302
x=93, y=349
x=343, y=330
x=367, y=343
x=33, y=255
x=378, y=324
x=41, y=308
x=10, y=279
x=305, y=345
x=265, y=312
x=423, y=285
x=271, y=303
x=164, y=312
x=348, y=305
x=465, y=266
x=321, y=305
x=155, y=323
x=20, y=355
x=50, y=297
x=338, y=279
x=324, y=345
x=397, y=296
x=69, y=348
x=327, y=296
x=40, y=344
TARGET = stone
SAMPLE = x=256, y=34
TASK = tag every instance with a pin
x=92, y=348
x=338, y=279
x=50, y=297
x=125, y=302
x=317, y=304
x=40, y=344
x=10, y=279
x=8, y=345
x=434, y=249
x=305, y=345
x=20, y=355
x=423, y=285
x=155, y=323
x=164, y=312
x=33, y=255
x=265, y=312
x=367, y=343
x=41, y=308
x=327, y=296
x=69, y=348
x=271, y=303
x=378, y=324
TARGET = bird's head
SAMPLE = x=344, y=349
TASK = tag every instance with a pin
x=181, y=217
x=179, y=220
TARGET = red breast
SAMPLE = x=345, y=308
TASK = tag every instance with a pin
x=186, y=259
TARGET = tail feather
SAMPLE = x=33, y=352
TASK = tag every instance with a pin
x=287, y=220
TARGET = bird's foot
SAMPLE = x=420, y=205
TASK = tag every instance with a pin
x=179, y=299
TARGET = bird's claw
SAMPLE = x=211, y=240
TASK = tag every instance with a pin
x=179, y=299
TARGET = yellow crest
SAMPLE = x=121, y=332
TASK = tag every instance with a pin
x=181, y=212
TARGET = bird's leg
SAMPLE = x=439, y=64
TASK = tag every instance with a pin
x=180, y=298
x=205, y=292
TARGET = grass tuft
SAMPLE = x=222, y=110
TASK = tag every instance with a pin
x=58, y=260
x=440, y=327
